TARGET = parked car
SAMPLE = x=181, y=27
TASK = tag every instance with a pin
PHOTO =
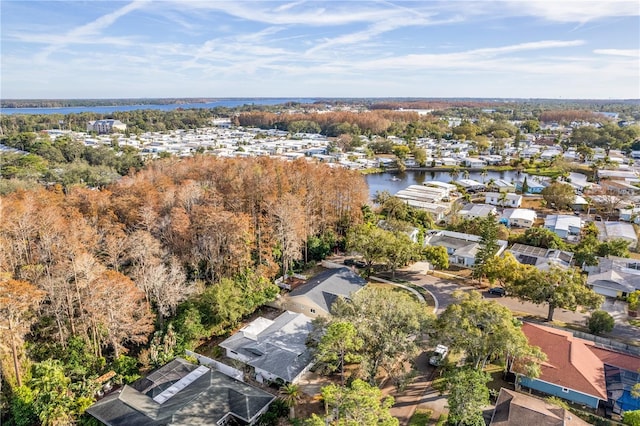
x=498, y=291
x=439, y=355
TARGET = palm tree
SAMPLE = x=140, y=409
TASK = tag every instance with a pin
x=291, y=394
x=502, y=198
x=465, y=173
x=454, y=173
x=484, y=174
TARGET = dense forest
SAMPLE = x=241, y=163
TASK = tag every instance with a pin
x=126, y=277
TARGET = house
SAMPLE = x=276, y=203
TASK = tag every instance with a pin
x=533, y=186
x=106, y=126
x=581, y=372
x=316, y=296
x=470, y=185
x=181, y=393
x=393, y=226
x=517, y=409
x=437, y=211
x=614, y=282
x=522, y=218
x=610, y=230
x=579, y=203
x=474, y=163
x=618, y=187
x=477, y=210
x=428, y=194
x=443, y=185
x=563, y=225
x=630, y=215
x=541, y=258
x=503, y=186
x=276, y=349
x=461, y=248
x=504, y=199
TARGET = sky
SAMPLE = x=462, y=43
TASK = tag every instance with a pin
x=560, y=49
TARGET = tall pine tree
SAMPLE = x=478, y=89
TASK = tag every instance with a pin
x=488, y=245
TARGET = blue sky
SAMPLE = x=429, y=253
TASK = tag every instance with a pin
x=349, y=48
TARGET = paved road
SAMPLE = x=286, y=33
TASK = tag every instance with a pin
x=443, y=288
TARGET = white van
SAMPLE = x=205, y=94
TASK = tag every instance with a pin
x=439, y=355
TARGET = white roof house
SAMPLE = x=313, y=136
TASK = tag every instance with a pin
x=477, y=210
x=563, y=225
x=524, y=218
x=505, y=199
x=470, y=184
x=610, y=230
x=461, y=248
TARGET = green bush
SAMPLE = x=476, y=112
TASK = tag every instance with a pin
x=631, y=418
x=600, y=322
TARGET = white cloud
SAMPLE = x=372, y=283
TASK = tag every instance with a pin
x=573, y=10
x=631, y=53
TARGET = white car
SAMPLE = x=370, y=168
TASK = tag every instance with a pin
x=439, y=355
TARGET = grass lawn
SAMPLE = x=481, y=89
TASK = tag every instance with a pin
x=420, y=418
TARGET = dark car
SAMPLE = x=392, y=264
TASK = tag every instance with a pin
x=498, y=291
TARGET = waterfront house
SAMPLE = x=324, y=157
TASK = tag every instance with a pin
x=534, y=186
x=470, y=185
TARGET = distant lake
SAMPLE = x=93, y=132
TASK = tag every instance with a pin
x=229, y=103
x=384, y=181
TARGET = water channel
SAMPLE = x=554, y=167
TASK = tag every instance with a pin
x=395, y=181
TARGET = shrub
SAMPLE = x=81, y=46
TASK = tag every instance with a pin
x=600, y=322
x=631, y=418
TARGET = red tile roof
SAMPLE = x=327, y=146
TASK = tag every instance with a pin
x=575, y=363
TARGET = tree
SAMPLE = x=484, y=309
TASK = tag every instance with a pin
x=525, y=186
x=437, y=256
x=420, y=156
x=631, y=418
x=339, y=342
x=468, y=395
x=484, y=330
x=541, y=237
x=488, y=245
x=291, y=395
x=18, y=300
x=401, y=151
x=356, y=405
x=600, y=322
x=558, y=288
x=368, y=241
x=399, y=250
x=559, y=195
x=387, y=322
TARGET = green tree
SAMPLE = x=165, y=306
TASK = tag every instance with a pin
x=488, y=245
x=541, y=237
x=291, y=394
x=401, y=151
x=356, y=405
x=600, y=322
x=399, y=250
x=558, y=288
x=631, y=418
x=368, y=241
x=437, y=256
x=388, y=322
x=467, y=396
x=420, y=156
x=340, y=343
x=559, y=195
x=484, y=330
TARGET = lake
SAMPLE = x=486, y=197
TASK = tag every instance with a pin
x=384, y=181
x=229, y=103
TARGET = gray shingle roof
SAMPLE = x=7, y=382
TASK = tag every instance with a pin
x=205, y=400
x=324, y=288
x=279, y=349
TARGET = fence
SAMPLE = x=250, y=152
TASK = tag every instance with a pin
x=217, y=365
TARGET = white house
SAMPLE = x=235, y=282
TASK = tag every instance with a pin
x=477, y=210
x=563, y=225
x=541, y=258
x=611, y=230
x=276, y=349
x=106, y=126
x=504, y=199
x=523, y=218
x=461, y=248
